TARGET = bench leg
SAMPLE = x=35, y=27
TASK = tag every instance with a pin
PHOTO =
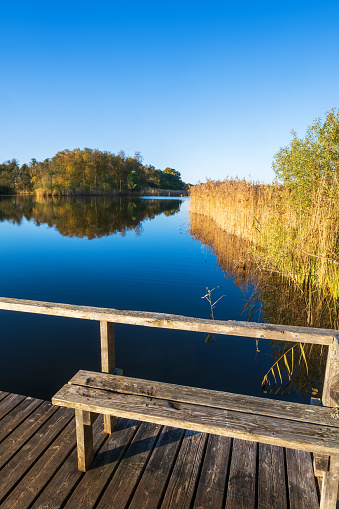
x=320, y=464
x=84, y=433
x=329, y=490
x=109, y=423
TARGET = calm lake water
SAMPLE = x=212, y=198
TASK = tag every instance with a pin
x=124, y=253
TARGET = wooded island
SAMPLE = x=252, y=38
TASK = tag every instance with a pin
x=86, y=170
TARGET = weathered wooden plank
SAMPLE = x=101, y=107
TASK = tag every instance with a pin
x=301, y=481
x=242, y=478
x=19, y=464
x=57, y=491
x=42, y=471
x=334, y=390
x=217, y=399
x=329, y=490
x=3, y=395
x=320, y=461
x=183, y=481
x=167, y=321
x=212, y=481
x=332, y=369
x=17, y=416
x=125, y=479
x=156, y=475
x=321, y=464
x=283, y=432
x=107, y=346
x=107, y=362
x=93, y=483
x=9, y=403
x=25, y=431
x=271, y=478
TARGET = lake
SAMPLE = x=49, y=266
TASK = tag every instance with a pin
x=124, y=253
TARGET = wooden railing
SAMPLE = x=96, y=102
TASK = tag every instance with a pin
x=107, y=317
x=329, y=466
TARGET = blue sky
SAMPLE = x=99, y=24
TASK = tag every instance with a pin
x=208, y=88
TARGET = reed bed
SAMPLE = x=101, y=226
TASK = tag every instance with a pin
x=275, y=298
x=286, y=237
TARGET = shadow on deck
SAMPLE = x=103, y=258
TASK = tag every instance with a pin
x=141, y=465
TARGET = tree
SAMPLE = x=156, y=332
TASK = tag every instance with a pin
x=133, y=181
x=25, y=182
x=311, y=164
x=9, y=176
x=171, y=179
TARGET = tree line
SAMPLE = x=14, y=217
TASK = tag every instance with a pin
x=86, y=170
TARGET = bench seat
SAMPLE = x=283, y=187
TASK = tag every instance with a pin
x=292, y=425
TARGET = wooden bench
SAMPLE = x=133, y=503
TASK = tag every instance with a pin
x=293, y=425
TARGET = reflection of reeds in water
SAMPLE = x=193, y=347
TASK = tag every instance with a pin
x=298, y=241
x=279, y=299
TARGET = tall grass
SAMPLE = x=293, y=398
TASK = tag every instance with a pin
x=286, y=237
x=277, y=299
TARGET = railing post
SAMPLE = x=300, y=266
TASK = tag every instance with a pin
x=108, y=363
x=107, y=347
x=332, y=369
x=328, y=466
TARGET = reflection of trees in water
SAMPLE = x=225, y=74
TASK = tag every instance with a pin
x=278, y=299
x=91, y=217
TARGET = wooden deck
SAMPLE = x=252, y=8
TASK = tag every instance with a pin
x=141, y=465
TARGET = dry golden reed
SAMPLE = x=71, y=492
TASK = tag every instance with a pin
x=296, y=242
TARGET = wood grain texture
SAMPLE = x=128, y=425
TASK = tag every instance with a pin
x=284, y=432
x=121, y=487
x=334, y=389
x=242, y=479
x=44, y=474
x=153, y=482
x=332, y=369
x=3, y=395
x=42, y=471
x=107, y=363
x=57, y=491
x=212, y=482
x=84, y=434
x=9, y=403
x=167, y=321
x=17, y=416
x=107, y=346
x=93, y=483
x=183, y=481
x=321, y=464
x=329, y=489
x=13, y=471
x=301, y=482
x=210, y=398
x=320, y=461
x=271, y=478
x=13, y=443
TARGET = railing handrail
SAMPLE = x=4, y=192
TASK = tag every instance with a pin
x=176, y=322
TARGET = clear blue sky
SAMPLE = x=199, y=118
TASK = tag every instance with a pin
x=209, y=88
